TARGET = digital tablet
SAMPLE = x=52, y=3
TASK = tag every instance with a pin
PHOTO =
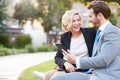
x=60, y=47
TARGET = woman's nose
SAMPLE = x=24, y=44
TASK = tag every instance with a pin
x=77, y=22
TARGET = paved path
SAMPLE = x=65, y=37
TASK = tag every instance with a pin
x=12, y=66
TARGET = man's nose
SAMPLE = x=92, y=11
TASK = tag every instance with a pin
x=89, y=19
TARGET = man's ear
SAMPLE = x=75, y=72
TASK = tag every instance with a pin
x=100, y=15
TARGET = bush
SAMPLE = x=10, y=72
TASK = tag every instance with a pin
x=19, y=51
x=4, y=40
x=4, y=51
x=1, y=53
x=46, y=48
x=113, y=19
x=22, y=40
x=30, y=48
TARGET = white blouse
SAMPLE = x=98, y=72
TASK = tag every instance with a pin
x=78, y=47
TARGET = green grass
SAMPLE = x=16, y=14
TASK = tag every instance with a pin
x=43, y=67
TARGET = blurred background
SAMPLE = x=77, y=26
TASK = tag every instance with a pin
x=35, y=25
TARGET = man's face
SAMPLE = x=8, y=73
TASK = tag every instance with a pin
x=94, y=19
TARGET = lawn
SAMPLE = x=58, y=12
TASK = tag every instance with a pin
x=43, y=67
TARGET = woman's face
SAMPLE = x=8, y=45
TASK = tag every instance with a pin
x=76, y=23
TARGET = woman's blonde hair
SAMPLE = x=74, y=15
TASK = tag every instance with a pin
x=67, y=18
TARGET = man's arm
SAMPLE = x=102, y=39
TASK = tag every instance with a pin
x=108, y=48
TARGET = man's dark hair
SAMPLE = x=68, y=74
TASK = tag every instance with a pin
x=100, y=7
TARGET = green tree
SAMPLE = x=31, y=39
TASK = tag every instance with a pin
x=3, y=4
x=114, y=16
x=24, y=11
x=113, y=19
x=84, y=1
x=118, y=12
x=51, y=12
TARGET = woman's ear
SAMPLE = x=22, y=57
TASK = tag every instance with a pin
x=68, y=28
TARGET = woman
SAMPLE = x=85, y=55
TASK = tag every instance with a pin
x=78, y=40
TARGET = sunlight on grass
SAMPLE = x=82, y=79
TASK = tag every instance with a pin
x=43, y=67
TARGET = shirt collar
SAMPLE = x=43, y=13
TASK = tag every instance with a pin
x=102, y=27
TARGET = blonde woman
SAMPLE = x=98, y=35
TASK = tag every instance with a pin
x=78, y=40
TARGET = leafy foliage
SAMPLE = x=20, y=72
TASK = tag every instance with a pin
x=25, y=10
x=22, y=40
x=3, y=4
x=84, y=1
x=4, y=51
x=4, y=39
x=46, y=48
x=113, y=19
x=51, y=12
x=118, y=12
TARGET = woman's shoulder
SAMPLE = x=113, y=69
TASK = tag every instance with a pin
x=65, y=34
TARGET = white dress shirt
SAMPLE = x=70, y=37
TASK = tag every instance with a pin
x=78, y=47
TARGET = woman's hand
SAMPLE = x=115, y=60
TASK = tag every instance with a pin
x=69, y=67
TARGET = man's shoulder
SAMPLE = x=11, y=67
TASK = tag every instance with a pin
x=112, y=28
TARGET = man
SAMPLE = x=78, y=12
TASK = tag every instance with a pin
x=105, y=58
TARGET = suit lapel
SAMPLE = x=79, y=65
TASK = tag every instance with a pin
x=97, y=47
x=98, y=43
x=67, y=40
x=100, y=40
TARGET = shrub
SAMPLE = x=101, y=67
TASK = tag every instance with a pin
x=113, y=19
x=46, y=48
x=22, y=40
x=4, y=51
x=19, y=51
x=30, y=48
x=4, y=40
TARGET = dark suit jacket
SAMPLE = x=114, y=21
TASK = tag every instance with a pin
x=89, y=36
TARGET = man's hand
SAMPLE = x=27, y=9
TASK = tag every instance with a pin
x=70, y=57
x=69, y=67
